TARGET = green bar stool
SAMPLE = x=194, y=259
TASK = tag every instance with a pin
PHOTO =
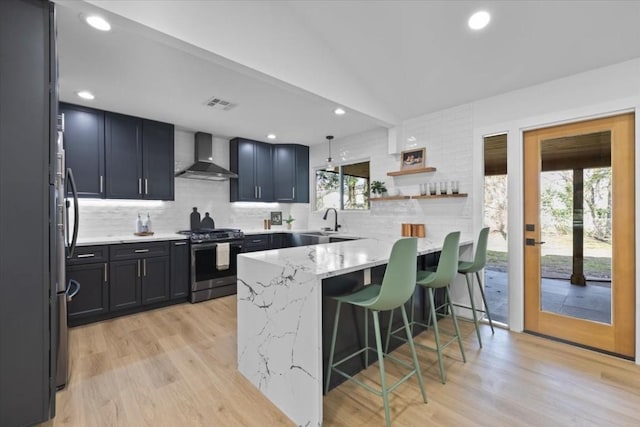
x=468, y=268
x=398, y=284
x=440, y=278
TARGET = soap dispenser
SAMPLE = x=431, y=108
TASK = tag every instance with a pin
x=147, y=224
x=139, y=224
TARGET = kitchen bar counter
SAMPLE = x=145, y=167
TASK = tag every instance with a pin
x=128, y=238
x=280, y=315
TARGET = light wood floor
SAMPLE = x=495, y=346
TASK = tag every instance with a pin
x=177, y=367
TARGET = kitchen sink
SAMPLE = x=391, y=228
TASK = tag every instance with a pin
x=319, y=233
x=317, y=237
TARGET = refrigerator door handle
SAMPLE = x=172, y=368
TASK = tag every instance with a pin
x=73, y=293
x=76, y=214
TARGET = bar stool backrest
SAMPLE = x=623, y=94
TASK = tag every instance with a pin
x=448, y=263
x=480, y=258
x=399, y=280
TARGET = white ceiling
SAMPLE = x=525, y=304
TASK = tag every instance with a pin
x=288, y=64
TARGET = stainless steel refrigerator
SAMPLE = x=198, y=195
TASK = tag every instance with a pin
x=65, y=241
x=29, y=257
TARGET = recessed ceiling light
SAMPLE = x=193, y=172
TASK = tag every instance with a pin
x=85, y=94
x=98, y=22
x=271, y=136
x=479, y=20
x=339, y=111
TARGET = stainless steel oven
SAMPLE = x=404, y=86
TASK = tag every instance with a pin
x=213, y=263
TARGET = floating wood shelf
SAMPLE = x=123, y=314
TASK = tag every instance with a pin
x=437, y=196
x=440, y=196
x=411, y=171
x=374, y=199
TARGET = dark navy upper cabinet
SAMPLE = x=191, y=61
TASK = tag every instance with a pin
x=157, y=160
x=302, y=174
x=84, y=148
x=123, y=136
x=252, y=161
x=284, y=177
x=139, y=158
x=291, y=173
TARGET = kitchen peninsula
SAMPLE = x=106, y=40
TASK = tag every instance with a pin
x=280, y=315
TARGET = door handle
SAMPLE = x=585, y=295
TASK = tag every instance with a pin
x=101, y=183
x=146, y=186
x=86, y=255
x=180, y=244
x=141, y=251
x=139, y=185
x=138, y=268
x=532, y=242
x=293, y=192
x=106, y=277
x=144, y=267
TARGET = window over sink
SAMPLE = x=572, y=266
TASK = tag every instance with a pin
x=345, y=188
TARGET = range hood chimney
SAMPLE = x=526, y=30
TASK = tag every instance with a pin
x=204, y=168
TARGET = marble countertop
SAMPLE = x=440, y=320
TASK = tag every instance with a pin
x=332, y=259
x=128, y=238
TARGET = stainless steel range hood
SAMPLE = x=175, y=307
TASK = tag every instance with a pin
x=203, y=168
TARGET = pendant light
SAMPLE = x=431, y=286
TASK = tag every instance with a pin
x=330, y=167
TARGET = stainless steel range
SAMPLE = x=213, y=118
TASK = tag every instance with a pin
x=213, y=262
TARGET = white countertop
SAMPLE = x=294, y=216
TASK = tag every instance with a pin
x=128, y=238
x=331, y=259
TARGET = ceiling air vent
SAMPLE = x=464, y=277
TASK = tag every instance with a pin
x=220, y=104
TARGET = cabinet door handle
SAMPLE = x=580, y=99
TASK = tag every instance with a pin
x=146, y=186
x=101, y=183
x=180, y=244
x=86, y=255
x=138, y=268
x=259, y=192
x=255, y=191
x=257, y=241
x=144, y=267
x=141, y=251
x=106, y=277
x=293, y=192
x=139, y=185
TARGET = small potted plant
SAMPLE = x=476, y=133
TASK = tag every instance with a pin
x=289, y=220
x=378, y=188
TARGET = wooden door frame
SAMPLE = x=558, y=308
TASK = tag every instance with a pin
x=619, y=337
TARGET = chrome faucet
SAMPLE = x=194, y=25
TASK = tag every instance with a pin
x=335, y=223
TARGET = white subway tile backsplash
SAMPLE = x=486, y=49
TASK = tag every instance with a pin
x=447, y=136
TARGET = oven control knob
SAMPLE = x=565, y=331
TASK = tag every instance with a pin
x=207, y=236
x=200, y=236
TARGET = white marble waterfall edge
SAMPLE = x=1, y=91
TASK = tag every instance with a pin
x=280, y=337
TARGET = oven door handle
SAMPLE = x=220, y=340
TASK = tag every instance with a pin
x=200, y=246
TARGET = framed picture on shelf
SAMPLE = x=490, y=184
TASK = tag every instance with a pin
x=276, y=218
x=412, y=159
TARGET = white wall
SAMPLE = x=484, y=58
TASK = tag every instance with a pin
x=447, y=136
x=116, y=217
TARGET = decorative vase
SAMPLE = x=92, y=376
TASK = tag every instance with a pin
x=288, y=226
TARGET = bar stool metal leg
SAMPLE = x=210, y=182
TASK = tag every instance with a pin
x=484, y=300
x=436, y=334
x=413, y=353
x=383, y=380
x=333, y=346
x=473, y=307
x=455, y=324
